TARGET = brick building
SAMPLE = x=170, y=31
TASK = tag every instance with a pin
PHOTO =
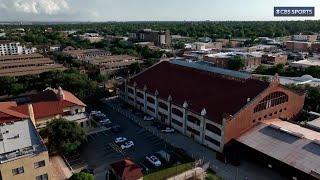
x=274, y=59
x=210, y=105
x=297, y=46
x=159, y=38
x=221, y=60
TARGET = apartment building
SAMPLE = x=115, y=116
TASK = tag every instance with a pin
x=210, y=105
x=274, y=58
x=49, y=105
x=14, y=48
x=29, y=64
x=22, y=152
x=159, y=38
x=251, y=60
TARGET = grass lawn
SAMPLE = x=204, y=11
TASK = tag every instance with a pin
x=212, y=176
x=169, y=172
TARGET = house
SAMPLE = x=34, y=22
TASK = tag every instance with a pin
x=126, y=170
x=208, y=104
x=49, y=105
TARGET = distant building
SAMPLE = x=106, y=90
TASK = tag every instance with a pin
x=315, y=47
x=200, y=46
x=92, y=37
x=297, y=46
x=208, y=104
x=304, y=38
x=14, y=48
x=126, y=170
x=274, y=58
x=21, y=65
x=251, y=60
x=47, y=106
x=159, y=38
x=85, y=54
x=22, y=152
x=112, y=64
x=305, y=63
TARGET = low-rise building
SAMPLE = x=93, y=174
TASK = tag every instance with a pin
x=114, y=63
x=304, y=38
x=315, y=47
x=200, y=46
x=126, y=170
x=251, y=60
x=297, y=46
x=274, y=58
x=208, y=104
x=21, y=65
x=49, y=105
x=85, y=54
x=305, y=63
x=285, y=147
x=22, y=152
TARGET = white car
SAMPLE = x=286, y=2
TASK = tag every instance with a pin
x=168, y=130
x=154, y=160
x=148, y=118
x=105, y=121
x=127, y=145
x=94, y=113
x=120, y=139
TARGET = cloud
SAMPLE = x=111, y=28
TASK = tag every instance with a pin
x=49, y=7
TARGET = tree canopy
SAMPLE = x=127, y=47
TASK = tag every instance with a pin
x=82, y=176
x=63, y=136
x=236, y=63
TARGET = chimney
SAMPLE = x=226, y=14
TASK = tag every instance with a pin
x=60, y=93
x=31, y=114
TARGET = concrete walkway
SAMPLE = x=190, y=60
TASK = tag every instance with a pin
x=246, y=170
x=59, y=169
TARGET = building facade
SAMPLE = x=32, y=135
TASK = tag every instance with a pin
x=297, y=46
x=210, y=105
x=274, y=59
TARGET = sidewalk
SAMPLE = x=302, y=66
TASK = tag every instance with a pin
x=226, y=171
x=59, y=169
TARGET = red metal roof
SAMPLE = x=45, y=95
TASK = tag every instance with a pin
x=127, y=169
x=201, y=89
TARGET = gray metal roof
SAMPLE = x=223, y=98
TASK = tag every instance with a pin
x=204, y=66
x=296, y=146
x=19, y=138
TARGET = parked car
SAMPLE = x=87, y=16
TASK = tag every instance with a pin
x=127, y=145
x=154, y=160
x=168, y=130
x=115, y=129
x=148, y=118
x=120, y=139
x=105, y=121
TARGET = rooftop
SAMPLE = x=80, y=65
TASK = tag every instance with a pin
x=19, y=139
x=287, y=142
x=201, y=87
x=231, y=54
x=307, y=62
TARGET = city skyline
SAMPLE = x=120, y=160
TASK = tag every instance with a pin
x=147, y=10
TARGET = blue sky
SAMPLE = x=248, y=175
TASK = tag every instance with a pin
x=141, y=10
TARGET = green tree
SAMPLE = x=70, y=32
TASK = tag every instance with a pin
x=236, y=63
x=63, y=136
x=135, y=68
x=81, y=176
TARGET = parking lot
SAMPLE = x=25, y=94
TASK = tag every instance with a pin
x=100, y=150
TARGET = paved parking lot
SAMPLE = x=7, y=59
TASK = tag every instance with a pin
x=101, y=150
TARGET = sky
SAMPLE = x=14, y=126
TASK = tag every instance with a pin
x=148, y=10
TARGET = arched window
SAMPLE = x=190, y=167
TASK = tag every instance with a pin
x=271, y=100
x=177, y=112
